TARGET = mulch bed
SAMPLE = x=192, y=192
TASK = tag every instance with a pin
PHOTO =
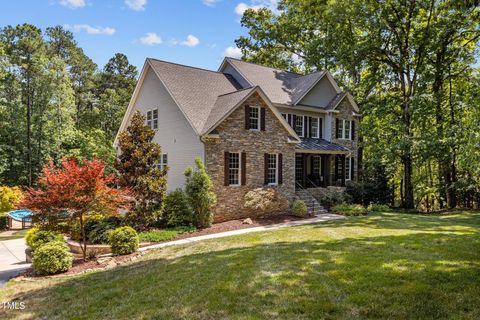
x=238, y=224
x=80, y=266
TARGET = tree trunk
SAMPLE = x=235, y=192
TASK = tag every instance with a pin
x=29, y=134
x=83, y=245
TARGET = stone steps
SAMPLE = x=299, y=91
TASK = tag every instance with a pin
x=313, y=206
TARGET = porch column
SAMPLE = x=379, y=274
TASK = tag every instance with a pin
x=342, y=158
x=304, y=177
x=325, y=169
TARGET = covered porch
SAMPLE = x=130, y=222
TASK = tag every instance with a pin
x=319, y=163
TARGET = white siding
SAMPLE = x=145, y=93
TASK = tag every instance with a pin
x=320, y=95
x=175, y=135
x=228, y=69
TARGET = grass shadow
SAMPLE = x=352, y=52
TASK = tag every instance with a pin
x=431, y=274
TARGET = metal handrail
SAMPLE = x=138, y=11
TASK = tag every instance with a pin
x=304, y=189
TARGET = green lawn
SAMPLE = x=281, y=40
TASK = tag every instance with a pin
x=390, y=265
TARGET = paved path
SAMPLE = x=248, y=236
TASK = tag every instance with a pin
x=319, y=218
x=12, y=259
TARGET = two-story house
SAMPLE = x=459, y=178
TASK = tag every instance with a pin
x=253, y=126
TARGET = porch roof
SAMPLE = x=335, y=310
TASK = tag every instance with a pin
x=321, y=145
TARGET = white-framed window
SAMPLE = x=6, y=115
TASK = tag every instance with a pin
x=162, y=165
x=299, y=125
x=234, y=169
x=254, y=118
x=272, y=169
x=152, y=119
x=315, y=127
x=344, y=129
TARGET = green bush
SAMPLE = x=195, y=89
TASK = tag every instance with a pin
x=51, y=258
x=378, y=207
x=202, y=199
x=299, y=208
x=97, y=228
x=265, y=201
x=123, y=240
x=176, y=210
x=100, y=231
x=9, y=197
x=3, y=221
x=333, y=198
x=36, y=237
x=350, y=209
x=164, y=235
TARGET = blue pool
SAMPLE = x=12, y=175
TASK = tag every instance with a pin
x=20, y=215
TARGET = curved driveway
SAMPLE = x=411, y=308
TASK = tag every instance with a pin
x=12, y=259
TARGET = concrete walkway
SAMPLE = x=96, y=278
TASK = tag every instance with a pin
x=12, y=259
x=317, y=219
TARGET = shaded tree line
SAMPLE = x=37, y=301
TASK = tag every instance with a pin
x=55, y=102
x=411, y=66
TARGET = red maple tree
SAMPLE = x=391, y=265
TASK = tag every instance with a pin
x=74, y=191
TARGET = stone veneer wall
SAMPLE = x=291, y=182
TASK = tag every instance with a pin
x=345, y=112
x=235, y=138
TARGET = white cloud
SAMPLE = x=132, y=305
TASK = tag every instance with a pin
x=191, y=41
x=73, y=4
x=137, y=5
x=256, y=5
x=210, y=3
x=90, y=30
x=232, y=52
x=150, y=39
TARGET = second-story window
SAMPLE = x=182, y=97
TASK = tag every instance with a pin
x=162, y=165
x=152, y=119
x=315, y=127
x=344, y=129
x=254, y=118
x=299, y=125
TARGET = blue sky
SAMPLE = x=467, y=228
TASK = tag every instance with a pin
x=192, y=32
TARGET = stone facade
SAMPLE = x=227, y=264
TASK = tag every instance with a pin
x=233, y=137
x=345, y=112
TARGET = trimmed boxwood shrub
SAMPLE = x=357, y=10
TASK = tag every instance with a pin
x=36, y=237
x=123, y=240
x=350, y=209
x=51, y=258
x=299, y=208
x=378, y=207
x=177, y=211
x=3, y=221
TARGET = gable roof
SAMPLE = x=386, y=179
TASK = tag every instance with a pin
x=194, y=90
x=282, y=87
x=207, y=97
x=333, y=104
x=224, y=104
x=228, y=103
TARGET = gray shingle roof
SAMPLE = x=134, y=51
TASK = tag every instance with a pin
x=319, y=144
x=224, y=104
x=336, y=100
x=195, y=90
x=280, y=86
